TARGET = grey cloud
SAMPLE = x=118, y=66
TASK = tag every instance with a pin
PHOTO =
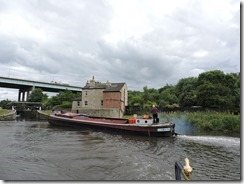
x=7, y=50
x=68, y=43
x=69, y=29
x=137, y=62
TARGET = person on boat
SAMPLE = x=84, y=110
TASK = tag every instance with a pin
x=154, y=112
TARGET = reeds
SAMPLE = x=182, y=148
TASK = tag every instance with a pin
x=215, y=121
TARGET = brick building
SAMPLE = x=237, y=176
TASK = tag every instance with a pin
x=102, y=99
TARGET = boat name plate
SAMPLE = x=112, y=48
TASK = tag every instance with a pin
x=163, y=129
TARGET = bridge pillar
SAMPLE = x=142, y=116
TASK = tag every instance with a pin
x=28, y=94
x=23, y=95
x=19, y=96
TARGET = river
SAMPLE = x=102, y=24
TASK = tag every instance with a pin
x=34, y=150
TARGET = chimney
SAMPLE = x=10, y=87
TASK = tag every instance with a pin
x=92, y=82
x=108, y=84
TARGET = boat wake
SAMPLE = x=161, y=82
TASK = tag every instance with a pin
x=213, y=140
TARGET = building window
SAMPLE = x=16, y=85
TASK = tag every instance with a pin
x=101, y=102
x=86, y=93
x=78, y=103
x=86, y=102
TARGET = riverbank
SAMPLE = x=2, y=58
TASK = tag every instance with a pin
x=211, y=121
x=7, y=115
x=214, y=121
x=42, y=115
x=10, y=115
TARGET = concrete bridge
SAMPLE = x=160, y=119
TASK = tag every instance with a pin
x=26, y=86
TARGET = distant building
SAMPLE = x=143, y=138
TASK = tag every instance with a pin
x=102, y=99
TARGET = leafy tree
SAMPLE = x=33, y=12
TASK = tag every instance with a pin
x=160, y=90
x=4, y=103
x=154, y=96
x=136, y=100
x=168, y=96
x=63, y=97
x=145, y=95
x=212, y=89
x=214, y=76
x=37, y=95
x=217, y=90
x=185, y=90
x=233, y=82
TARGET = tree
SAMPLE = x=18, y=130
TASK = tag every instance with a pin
x=4, y=103
x=212, y=89
x=168, y=96
x=185, y=90
x=145, y=95
x=160, y=90
x=37, y=96
x=63, y=99
x=135, y=98
x=217, y=90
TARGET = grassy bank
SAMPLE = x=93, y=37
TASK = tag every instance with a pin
x=214, y=121
x=4, y=111
x=47, y=112
x=211, y=121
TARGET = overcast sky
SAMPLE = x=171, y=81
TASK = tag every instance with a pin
x=141, y=42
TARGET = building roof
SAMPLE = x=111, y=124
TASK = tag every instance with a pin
x=97, y=85
x=108, y=87
x=114, y=87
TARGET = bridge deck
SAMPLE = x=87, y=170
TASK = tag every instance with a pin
x=45, y=86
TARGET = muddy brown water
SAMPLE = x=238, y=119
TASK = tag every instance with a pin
x=34, y=150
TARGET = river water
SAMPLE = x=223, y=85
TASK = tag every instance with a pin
x=34, y=150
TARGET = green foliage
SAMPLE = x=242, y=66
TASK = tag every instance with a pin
x=4, y=103
x=47, y=112
x=212, y=89
x=217, y=90
x=4, y=111
x=168, y=96
x=186, y=91
x=162, y=97
x=135, y=98
x=37, y=95
x=62, y=99
x=64, y=105
x=213, y=121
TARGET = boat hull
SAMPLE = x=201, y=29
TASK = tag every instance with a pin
x=156, y=130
